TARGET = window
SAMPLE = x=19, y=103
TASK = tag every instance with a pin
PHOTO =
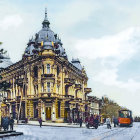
x=36, y=71
x=58, y=71
x=42, y=87
x=48, y=68
x=48, y=86
x=42, y=69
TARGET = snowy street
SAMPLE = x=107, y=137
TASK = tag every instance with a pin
x=65, y=133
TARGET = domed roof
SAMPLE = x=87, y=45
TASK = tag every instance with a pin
x=45, y=39
x=45, y=34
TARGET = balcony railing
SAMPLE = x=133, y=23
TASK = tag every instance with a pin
x=47, y=76
x=69, y=81
x=32, y=96
x=78, y=86
x=48, y=94
x=87, y=90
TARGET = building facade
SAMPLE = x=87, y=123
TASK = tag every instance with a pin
x=45, y=84
x=95, y=105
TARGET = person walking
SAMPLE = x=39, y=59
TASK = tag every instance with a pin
x=80, y=121
x=108, y=122
x=115, y=121
x=40, y=121
x=11, y=123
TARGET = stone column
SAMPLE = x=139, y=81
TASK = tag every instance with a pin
x=43, y=111
x=53, y=112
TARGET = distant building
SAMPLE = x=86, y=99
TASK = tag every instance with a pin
x=95, y=105
x=45, y=83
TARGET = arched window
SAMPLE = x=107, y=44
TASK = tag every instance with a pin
x=48, y=68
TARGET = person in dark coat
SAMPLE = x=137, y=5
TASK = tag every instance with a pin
x=80, y=121
x=5, y=123
x=11, y=124
x=115, y=121
x=91, y=120
x=40, y=121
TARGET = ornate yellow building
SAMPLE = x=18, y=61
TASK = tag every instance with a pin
x=45, y=83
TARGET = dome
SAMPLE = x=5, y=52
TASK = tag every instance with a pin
x=45, y=34
x=45, y=39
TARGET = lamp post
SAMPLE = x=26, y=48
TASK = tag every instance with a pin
x=1, y=99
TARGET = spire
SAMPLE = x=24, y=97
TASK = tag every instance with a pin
x=46, y=22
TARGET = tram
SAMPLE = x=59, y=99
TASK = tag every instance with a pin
x=125, y=118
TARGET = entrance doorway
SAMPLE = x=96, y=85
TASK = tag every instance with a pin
x=48, y=113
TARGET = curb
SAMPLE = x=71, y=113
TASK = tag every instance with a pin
x=52, y=125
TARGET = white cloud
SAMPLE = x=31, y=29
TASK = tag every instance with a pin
x=111, y=51
x=117, y=46
x=11, y=21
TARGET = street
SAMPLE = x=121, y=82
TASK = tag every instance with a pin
x=65, y=133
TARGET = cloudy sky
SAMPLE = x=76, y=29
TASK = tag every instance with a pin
x=104, y=35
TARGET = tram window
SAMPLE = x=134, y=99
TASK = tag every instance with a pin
x=125, y=114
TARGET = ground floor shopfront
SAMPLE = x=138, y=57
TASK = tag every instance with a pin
x=55, y=109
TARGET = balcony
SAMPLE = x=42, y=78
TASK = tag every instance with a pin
x=87, y=90
x=47, y=76
x=32, y=96
x=69, y=81
x=78, y=86
x=47, y=94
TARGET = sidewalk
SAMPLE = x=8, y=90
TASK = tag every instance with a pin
x=9, y=133
x=52, y=124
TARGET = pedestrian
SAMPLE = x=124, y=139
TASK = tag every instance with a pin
x=40, y=121
x=115, y=121
x=5, y=123
x=108, y=122
x=80, y=121
x=11, y=123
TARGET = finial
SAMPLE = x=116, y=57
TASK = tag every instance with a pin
x=45, y=13
x=45, y=22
